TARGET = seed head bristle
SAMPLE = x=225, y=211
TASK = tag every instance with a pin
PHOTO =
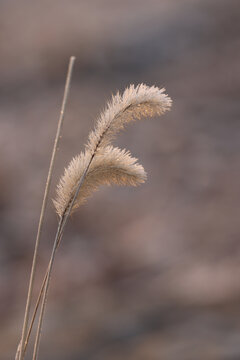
x=113, y=166
x=133, y=104
x=102, y=164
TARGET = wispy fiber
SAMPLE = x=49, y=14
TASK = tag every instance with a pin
x=134, y=103
x=102, y=164
x=113, y=166
x=108, y=165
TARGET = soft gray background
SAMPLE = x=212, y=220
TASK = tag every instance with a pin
x=150, y=273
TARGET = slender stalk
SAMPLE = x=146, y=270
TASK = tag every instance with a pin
x=155, y=103
x=62, y=222
x=59, y=233
x=35, y=311
x=46, y=274
x=20, y=350
x=56, y=241
x=61, y=226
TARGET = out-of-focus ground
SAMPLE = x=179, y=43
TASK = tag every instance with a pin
x=150, y=273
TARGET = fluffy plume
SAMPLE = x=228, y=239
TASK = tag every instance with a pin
x=134, y=103
x=112, y=166
x=102, y=164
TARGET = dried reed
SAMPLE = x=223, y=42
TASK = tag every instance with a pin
x=102, y=164
x=24, y=337
x=135, y=103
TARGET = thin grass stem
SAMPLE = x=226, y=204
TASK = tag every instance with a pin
x=44, y=298
x=35, y=311
x=152, y=102
x=61, y=226
x=21, y=349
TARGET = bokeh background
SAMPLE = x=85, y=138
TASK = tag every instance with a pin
x=150, y=273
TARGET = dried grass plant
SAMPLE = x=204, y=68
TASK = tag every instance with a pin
x=99, y=164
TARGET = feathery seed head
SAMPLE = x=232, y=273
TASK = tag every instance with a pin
x=113, y=166
x=102, y=164
x=133, y=104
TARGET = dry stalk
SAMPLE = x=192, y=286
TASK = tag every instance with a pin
x=102, y=164
x=23, y=344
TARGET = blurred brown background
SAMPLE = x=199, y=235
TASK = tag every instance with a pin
x=151, y=273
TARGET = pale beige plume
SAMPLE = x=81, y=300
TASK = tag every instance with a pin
x=113, y=166
x=102, y=164
x=134, y=103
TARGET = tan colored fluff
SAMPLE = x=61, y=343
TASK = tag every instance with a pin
x=135, y=103
x=113, y=166
x=102, y=164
